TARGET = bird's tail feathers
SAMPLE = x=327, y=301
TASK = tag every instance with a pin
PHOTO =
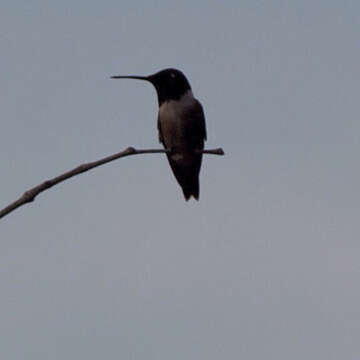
x=191, y=189
x=187, y=177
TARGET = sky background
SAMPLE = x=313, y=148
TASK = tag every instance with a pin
x=114, y=264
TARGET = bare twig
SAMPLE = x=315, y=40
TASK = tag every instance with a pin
x=31, y=194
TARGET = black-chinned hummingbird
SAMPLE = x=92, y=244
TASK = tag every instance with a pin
x=181, y=125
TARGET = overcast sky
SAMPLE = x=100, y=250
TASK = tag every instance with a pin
x=114, y=264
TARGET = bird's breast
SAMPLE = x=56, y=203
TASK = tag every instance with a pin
x=173, y=121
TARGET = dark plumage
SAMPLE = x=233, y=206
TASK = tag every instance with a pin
x=181, y=125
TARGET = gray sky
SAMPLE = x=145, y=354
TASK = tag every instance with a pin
x=114, y=264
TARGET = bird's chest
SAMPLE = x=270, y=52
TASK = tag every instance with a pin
x=171, y=117
x=173, y=120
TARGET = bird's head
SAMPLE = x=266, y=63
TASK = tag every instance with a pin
x=170, y=84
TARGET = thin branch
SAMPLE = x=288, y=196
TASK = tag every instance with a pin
x=31, y=194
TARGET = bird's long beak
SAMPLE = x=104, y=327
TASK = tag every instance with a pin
x=131, y=77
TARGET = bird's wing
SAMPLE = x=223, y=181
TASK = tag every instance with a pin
x=196, y=127
x=161, y=139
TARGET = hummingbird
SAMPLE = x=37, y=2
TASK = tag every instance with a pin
x=181, y=126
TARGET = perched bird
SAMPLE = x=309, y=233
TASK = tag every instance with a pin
x=181, y=125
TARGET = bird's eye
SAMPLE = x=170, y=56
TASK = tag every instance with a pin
x=173, y=75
